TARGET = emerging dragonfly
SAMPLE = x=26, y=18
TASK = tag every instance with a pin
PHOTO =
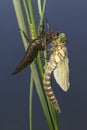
x=58, y=64
x=38, y=44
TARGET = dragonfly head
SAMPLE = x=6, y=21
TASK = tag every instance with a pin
x=61, y=39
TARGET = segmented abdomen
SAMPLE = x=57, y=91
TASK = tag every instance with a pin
x=58, y=54
x=29, y=56
x=51, y=65
x=31, y=53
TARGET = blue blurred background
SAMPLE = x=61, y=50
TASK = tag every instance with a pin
x=69, y=16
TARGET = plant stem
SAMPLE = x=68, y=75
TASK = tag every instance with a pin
x=23, y=16
x=32, y=17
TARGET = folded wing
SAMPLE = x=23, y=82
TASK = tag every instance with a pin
x=61, y=74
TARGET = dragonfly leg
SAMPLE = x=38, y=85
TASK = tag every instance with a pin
x=47, y=23
x=25, y=36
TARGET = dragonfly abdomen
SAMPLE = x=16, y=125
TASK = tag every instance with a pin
x=51, y=65
x=29, y=56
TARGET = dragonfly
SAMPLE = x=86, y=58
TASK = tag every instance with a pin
x=35, y=45
x=58, y=64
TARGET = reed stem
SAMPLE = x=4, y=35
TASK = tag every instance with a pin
x=26, y=18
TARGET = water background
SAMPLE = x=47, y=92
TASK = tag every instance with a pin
x=69, y=16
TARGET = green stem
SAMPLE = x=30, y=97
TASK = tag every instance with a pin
x=41, y=10
x=26, y=12
x=41, y=96
x=20, y=19
x=39, y=6
x=31, y=10
x=49, y=112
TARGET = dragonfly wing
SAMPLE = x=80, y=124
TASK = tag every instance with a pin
x=61, y=74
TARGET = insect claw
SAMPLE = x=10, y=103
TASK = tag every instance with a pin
x=25, y=36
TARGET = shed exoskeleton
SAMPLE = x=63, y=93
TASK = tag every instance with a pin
x=35, y=45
